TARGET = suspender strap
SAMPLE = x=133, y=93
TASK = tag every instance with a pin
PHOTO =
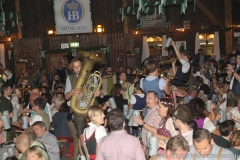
x=219, y=153
x=44, y=148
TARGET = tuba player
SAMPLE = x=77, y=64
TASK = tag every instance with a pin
x=78, y=119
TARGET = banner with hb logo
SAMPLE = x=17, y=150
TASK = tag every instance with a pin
x=72, y=16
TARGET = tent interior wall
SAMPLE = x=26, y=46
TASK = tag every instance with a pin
x=38, y=18
x=31, y=47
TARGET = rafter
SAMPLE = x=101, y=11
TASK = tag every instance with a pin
x=208, y=13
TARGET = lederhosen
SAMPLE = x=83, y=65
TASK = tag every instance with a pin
x=78, y=119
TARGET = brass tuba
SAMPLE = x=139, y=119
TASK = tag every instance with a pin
x=87, y=83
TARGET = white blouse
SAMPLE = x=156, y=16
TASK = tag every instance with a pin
x=100, y=131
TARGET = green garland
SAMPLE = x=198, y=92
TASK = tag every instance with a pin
x=74, y=50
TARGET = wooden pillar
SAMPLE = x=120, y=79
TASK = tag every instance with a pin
x=228, y=22
x=19, y=26
x=125, y=23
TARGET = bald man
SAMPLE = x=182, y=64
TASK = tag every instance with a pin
x=36, y=93
x=30, y=132
x=23, y=143
x=30, y=110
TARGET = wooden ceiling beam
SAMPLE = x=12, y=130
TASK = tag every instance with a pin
x=208, y=13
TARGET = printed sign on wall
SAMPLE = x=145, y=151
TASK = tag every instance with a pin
x=72, y=16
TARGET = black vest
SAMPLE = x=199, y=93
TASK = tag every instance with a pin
x=182, y=79
x=11, y=81
x=236, y=84
x=91, y=143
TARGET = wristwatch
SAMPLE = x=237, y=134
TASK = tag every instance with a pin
x=143, y=124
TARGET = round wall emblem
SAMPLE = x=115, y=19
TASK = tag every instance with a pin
x=72, y=11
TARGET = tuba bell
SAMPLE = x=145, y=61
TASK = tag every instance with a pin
x=87, y=83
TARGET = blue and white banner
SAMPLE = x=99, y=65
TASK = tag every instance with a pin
x=73, y=16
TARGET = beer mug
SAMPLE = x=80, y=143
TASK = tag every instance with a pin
x=130, y=112
x=10, y=151
x=135, y=114
x=125, y=109
x=6, y=123
x=209, y=102
x=112, y=103
x=153, y=146
x=6, y=113
x=130, y=122
x=228, y=116
x=24, y=122
x=5, y=155
x=223, y=116
x=148, y=136
x=17, y=106
x=168, y=43
x=15, y=115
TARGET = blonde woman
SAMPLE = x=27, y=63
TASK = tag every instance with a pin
x=235, y=140
x=95, y=130
x=36, y=153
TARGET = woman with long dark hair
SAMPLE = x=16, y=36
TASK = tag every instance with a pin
x=198, y=110
x=119, y=95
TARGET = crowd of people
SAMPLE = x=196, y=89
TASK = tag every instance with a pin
x=186, y=107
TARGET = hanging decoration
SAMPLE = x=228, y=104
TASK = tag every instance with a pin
x=5, y=16
x=42, y=53
x=151, y=7
x=74, y=52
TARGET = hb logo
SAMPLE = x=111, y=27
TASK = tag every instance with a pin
x=72, y=11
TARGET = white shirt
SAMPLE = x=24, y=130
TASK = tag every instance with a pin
x=49, y=112
x=205, y=80
x=100, y=131
x=9, y=74
x=231, y=82
x=170, y=127
x=14, y=100
x=236, y=114
x=133, y=98
x=207, y=124
x=185, y=65
x=162, y=82
x=35, y=119
x=68, y=88
x=53, y=111
x=188, y=136
x=223, y=106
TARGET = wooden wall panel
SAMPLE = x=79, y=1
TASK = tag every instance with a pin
x=31, y=47
x=235, y=12
x=28, y=48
